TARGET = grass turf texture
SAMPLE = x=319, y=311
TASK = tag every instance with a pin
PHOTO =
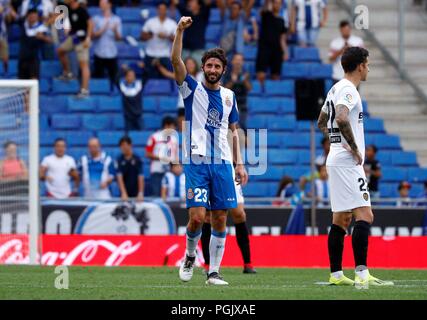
x=26, y=282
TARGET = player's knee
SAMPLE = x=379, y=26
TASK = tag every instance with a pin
x=219, y=220
x=239, y=216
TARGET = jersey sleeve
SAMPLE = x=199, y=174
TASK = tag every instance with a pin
x=150, y=144
x=165, y=181
x=140, y=168
x=117, y=168
x=348, y=97
x=73, y=165
x=45, y=162
x=234, y=114
x=187, y=87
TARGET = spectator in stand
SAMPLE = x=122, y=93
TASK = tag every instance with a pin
x=321, y=158
x=57, y=170
x=338, y=46
x=239, y=81
x=107, y=29
x=404, y=199
x=233, y=25
x=321, y=191
x=372, y=170
x=131, y=91
x=96, y=171
x=272, y=50
x=307, y=17
x=162, y=149
x=251, y=31
x=287, y=188
x=129, y=172
x=423, y=196
x=34, y=35
x=43, y=8
x=7, y=15
x=173, y=183
x=78, y=39
x=194, y=41
x=159, y=33
x=12, y=167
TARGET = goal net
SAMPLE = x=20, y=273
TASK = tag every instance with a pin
x=19, y=157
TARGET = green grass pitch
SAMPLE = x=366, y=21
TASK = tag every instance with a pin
x=26, y=282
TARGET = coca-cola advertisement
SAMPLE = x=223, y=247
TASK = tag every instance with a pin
x=283, y=251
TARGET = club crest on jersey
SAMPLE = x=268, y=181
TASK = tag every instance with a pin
x=190, y=194
x=213, y=119
x=366, y=196
x=228, y=102
x=349, y=98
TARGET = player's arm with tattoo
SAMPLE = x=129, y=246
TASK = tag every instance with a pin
x=322, y=123
x=345, y=128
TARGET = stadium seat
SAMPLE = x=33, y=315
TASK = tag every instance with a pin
x=250, y=52
x=14, y=50
x=273, y=140
x=140, y=138
x=295, y=70
x=96, y=122
x=393, y=174
x=99, y=86
x=66, y=121
x=109, y=104
x=281, y=123
x=150, y=104
x=77, y=153
x=152, y=122
x=287, y=105
x=213, y=32
x=279, y=88
x=71, y=86
x=301, y=54
x=404, y=158
x=215, y=16
x=43, y=122
x=129, y=14
x=126, y=51
x=256, y=190
x=273, y=173
x=318, y=70
x=282, y=156
x=49, y=69
x=416, y=190
x=304, y=157
x=374, y=125
x=93, y=11
x=12, y=69
x=417, y=174
x=158, y=86
x=296, y=172
x=388, y=190
x=132, y=29
x=303, y=125
x=110, y=138
x=256, y=122
x=387, y=141
x=118, y=122
x=297, y=141
x=256, y=88
x=81, y=105
x=384, y=157
x=44, y=86
x=168, y=104
x=53, y=104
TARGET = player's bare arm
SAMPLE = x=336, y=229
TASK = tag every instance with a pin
x=322, y=123
x=176, y=59
x=241, y=174
x=346, y=131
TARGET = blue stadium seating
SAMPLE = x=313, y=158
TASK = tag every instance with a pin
x=304, y=157
x=279, y=88
x=282, y=156
x=99, y=86
x=213, y=33
x=295, y=172
x=96, y=122
x=393, y=174
x=273, y=173
x=140, y=138
x=416, y=190
x=388, y=190
x=250, y=52
x=132, y=29
x=374, y=125
x=158, y=86
x=387, y=141
x=44, y=86
x=318, y=70
x=256, y=88
x=297, y=141
x=126, y=51
x=150, y=104
x=256, y=122
x=53, y=104
x=66, y=121
x=14, y=50
x=152, y=122
x=110, y=138
x=109, y=104
x=417, y=174
x=384, y=157
x=282, y=124
x=71, y=86
x=404, y=158
x=301, y=54
x=118, y=122
x=303, y=126
x=129, y=14
x=295, y=70
x=49, y=69
x=81, y=105
x=12, y=68
x=168, y=104
x=215, y=16
x=43, y=122
x=256, y=190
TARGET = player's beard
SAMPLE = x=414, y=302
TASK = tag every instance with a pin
x=211, y=79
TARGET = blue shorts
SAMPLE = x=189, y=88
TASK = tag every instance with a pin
x=210, y=185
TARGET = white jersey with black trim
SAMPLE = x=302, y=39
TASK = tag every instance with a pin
x=344, y=93
x=209, y=113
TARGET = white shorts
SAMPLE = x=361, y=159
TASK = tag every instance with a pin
x=348, y=188
x=239, y=191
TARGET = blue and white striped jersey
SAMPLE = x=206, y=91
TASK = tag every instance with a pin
x=308, y=13
x=208, y=114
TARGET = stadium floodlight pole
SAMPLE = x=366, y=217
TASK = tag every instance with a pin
x=33, y=174
x=313, y=171
x=401, y=36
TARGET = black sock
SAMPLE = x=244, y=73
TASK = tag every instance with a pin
x=360, y=242
x=242, y=236
x=336, y=247
x=205, y=239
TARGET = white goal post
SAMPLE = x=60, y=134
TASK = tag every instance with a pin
x=27, y=93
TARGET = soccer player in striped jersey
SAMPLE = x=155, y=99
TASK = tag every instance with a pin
x=210, y=111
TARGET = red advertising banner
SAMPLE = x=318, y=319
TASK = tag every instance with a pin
x=267, y=251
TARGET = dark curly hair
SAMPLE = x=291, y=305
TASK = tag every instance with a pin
x=353, y=57
x=215, y=53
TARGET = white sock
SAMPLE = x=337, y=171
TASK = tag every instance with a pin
x=216, y=250
x=192, y=241
x=337, y=274
x=362, y=272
